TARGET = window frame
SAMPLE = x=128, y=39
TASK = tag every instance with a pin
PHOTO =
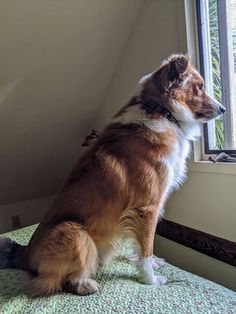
x=206, y=151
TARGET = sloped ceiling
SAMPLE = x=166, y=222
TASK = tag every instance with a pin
x=159, y=31
x=57, y=59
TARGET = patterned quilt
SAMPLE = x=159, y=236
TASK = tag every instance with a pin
x=120, y=292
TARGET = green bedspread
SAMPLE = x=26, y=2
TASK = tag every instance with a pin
x=120, y=292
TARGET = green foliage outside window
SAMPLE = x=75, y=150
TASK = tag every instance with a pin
x=214, y=36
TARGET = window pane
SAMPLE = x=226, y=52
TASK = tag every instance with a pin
x=233, y=65
x=220, y=26
x=215, y=128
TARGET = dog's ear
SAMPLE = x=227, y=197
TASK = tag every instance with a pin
x=178, y=66
x=172, y=72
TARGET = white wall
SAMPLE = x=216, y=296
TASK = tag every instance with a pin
x=206, y=202
x=57, y=59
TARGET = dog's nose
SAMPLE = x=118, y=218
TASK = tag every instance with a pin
x=222, y=109
x=219, y=108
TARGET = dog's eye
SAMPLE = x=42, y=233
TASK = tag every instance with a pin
x=200, y=86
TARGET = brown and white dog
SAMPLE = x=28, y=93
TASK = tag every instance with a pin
x=119, y=186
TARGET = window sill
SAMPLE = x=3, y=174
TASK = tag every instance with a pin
x=210, y=167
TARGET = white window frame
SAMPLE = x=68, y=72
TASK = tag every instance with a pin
x=226, y=71
x=200, y=161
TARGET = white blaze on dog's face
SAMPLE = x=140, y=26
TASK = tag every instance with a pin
x=181, y=89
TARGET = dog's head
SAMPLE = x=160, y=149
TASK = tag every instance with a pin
x=179, y=87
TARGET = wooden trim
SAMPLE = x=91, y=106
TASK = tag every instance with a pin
x=221, y=249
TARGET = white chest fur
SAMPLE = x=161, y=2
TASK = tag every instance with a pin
x=176, y=165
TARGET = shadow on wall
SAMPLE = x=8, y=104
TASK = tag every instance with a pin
x=29, y=212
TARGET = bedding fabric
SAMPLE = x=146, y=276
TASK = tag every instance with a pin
x=120, y=292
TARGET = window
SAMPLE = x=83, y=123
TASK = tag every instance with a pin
x=217, y=44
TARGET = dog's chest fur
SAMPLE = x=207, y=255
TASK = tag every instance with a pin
x=176, y=165
x=175, y=160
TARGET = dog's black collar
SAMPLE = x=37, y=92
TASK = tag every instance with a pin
x=152, y=107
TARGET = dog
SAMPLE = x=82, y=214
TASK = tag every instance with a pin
x=118, y=188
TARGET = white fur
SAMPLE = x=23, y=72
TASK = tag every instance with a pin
x=133, y=114
x=159, y=126
x=188, y=131
x=157, y=262
x=145, y=78
x=146, y=273
x=176, y=165
x=189, y=127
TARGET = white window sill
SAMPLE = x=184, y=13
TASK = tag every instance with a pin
x=210, y=167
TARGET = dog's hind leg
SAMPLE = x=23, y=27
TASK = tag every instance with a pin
x=80, y=286
x=65, y=259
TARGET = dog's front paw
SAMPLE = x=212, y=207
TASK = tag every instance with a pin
x=146, y=273
x=160, y=280
x=153, y=280
x=157, y=262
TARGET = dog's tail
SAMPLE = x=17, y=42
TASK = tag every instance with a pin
x=12, y=254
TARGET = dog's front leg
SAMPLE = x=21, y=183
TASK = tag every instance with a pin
x=147, y=226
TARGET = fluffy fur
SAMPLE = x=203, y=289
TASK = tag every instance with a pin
x=118, y=187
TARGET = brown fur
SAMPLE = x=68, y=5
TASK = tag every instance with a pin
x=115, y=190
x=64, y=251
x=88, y=212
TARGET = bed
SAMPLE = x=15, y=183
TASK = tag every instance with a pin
x=120, y=292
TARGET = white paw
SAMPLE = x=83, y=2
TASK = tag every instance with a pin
x=157, y=262
x=146, y=273
x=160, y=280
x=87, y=286
x=153, y=280
x=132, y=258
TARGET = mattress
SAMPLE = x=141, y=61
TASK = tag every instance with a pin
x=120, y=292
